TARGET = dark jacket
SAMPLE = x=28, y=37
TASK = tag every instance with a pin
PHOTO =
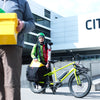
x=21, y=7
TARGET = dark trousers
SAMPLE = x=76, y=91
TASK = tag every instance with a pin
x=10, y=71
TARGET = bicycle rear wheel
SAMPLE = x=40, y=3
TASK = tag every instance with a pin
x=36, y=87
x=83, y=88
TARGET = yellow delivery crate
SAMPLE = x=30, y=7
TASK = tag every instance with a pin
x=8, y=24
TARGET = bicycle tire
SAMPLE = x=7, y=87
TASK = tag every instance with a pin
x=85, y=85
x=36, y=88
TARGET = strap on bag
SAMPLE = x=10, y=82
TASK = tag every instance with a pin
x=38, y=47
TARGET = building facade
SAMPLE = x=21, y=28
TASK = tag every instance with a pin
x=43, y=18
x=79, y=34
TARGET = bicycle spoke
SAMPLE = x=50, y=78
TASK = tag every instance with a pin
x=82, y=88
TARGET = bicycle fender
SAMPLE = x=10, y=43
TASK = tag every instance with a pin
x=70, y=78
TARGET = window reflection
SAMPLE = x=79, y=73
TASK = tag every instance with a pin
x=41, y=21
x=47, y=13
x=40, y=29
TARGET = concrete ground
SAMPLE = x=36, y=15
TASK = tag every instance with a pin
x=61, y=94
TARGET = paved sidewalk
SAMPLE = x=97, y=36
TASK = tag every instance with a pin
x=61, y=94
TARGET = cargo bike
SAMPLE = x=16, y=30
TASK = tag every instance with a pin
x=79, y=82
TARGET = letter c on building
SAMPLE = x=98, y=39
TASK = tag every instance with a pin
x=87, y=27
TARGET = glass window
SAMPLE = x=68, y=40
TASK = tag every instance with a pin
x=41, y=20
x=28, y=47
x=30, y=38
x=45, y=31
x=47, y=13
x=47, y=41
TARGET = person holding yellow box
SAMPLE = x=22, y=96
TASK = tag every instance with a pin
x=11, y=55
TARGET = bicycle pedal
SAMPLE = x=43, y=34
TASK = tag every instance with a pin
x=59, y=85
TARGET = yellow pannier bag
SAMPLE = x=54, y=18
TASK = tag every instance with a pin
x=36, y=64
x=8, y=24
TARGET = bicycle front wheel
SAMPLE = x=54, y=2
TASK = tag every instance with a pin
x=82, y=88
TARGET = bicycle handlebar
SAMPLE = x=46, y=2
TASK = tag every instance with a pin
x=76, y=56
